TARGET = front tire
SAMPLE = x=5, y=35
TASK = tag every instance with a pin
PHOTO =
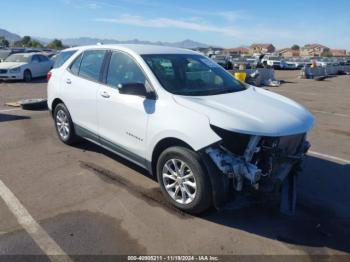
x=27, y=76
x=64, y=125
x=183, y=180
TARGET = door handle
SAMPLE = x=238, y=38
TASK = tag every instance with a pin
x=105, y=94
x=68, y=81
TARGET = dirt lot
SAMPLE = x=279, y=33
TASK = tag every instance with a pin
x=89, y=201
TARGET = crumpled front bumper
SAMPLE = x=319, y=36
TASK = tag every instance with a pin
x=262, y=167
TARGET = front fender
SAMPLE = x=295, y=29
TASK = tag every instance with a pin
x=194, y=140
x=171, y=120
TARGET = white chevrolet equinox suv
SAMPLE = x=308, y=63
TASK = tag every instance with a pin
x=208, y=138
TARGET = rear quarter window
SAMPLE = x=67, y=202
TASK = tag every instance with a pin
x=74, y=68
x=63, y=57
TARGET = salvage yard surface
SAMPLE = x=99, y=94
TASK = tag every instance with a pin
x=88, y=201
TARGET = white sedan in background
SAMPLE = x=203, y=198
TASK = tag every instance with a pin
x=25, y=66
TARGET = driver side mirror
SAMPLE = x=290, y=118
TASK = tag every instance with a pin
x=137, y=89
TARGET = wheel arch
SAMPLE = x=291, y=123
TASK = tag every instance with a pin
x=162, y=145
x=54, y=103
x=219, y=184
x=27, y=69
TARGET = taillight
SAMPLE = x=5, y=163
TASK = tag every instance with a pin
x=48, y=77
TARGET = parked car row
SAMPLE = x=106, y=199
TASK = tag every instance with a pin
x=231, y=62
x=224, y=61
x=25, y=66
x=276, y=62
x=5, y=52
x=331, y=61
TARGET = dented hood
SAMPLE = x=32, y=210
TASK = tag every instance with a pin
x=253, y=111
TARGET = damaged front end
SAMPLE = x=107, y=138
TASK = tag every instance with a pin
x=264, y=164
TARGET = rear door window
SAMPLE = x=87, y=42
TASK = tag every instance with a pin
x=43, y=58
x=91, y=64
x=35, y=58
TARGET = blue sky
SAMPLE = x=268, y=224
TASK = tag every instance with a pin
x=227, y=23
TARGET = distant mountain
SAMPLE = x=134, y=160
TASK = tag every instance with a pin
x=188, y=43
x=9, y=36
x=92, y=41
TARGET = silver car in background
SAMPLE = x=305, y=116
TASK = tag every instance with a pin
x=25, y=66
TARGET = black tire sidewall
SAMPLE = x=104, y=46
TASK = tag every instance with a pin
x=27, y=79
x=203, y=195
x=72, y=137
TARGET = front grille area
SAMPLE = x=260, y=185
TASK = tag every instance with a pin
x=3, y=71
x=276, y=150
x=277, y=147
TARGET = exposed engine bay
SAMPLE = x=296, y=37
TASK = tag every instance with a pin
x=256, y=161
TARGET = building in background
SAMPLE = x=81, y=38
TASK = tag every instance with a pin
x=261, y=48
x=288, y=52
x=338, y=52
x=313, y=50
x=236, y=51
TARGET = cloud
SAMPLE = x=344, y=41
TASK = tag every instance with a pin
x=81, y=4
x=232, y=15
x=169, y=23
x=229, y=16
x=93, y=5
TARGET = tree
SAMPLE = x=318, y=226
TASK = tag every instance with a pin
x=55, y=44
x=27, y=41
x=18, y=44
x=24, y=42
x=4, y=42
x=35, y=44
x=327, y=52
x=295, y=47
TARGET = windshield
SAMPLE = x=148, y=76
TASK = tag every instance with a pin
x=191, y=75
x=3, y=55
x=22, y=58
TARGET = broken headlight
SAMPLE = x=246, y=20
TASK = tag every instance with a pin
x=236, y=143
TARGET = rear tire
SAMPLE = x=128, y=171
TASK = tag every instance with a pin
x=183, y=180
x=27, y=76
x=64, y=125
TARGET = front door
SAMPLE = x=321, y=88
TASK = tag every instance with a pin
x=122, y=118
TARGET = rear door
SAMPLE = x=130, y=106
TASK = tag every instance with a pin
x=80, y=85
x=34, y=66
x=45, y=65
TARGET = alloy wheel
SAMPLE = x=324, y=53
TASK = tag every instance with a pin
x=62, y=124
x=179, y=181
